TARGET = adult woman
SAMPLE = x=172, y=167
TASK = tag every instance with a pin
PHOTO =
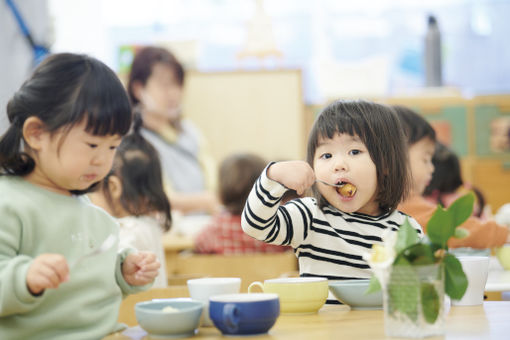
x=155, y=87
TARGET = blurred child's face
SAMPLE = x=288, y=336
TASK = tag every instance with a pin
x=420, y=158
x=73, y=161
x=345, y=158
x=162, y=93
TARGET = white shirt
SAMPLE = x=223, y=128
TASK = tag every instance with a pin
x=144, y=233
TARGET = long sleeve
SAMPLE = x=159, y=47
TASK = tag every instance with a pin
x=481, y=234
x=124, y=286
x=14, y=295
x=266, y=220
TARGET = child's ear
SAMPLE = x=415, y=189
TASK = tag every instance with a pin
x=115, y=187
x=34, y=131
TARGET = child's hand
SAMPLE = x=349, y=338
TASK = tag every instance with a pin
x=47, y=271
x=297, y=175
x=140, y=268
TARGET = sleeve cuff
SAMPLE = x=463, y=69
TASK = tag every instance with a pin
x=20, y=287
x=125, y=287
x=274, y=188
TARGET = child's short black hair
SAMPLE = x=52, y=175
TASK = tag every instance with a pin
x=237, y=175
x=447, y=177
x=379, y=129
x=138, y=167
x=64, y=90
x=415, y=126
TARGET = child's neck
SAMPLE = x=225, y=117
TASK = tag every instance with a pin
x=371, y=209
x=45, y=183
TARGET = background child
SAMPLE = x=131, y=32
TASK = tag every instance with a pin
x=349, y=144
x=155, y=88
x=447, y=185
x=224, y=235
x=133, y=193
x=65, y=124
x=421, y=139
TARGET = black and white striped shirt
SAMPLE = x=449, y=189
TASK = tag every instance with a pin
x=327, y=242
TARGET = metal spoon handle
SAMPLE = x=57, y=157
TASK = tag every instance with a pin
x=333, y=185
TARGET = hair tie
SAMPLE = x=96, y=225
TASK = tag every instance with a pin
x=16, y=121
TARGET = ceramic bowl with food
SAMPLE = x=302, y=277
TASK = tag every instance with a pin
x=169, y=317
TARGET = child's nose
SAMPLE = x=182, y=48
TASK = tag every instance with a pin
x=99, y=159
x=340, y=164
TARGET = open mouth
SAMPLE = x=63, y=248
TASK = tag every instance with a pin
x=346, y=189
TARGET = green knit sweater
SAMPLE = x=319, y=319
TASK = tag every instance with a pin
x=34, y=221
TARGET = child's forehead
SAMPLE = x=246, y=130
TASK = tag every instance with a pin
x=342, y=137
x=83, y=129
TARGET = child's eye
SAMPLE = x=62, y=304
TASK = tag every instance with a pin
x=325, y=156
x=93, y=146
x=354, y=152
x=114, y=147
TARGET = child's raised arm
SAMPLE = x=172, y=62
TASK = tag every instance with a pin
x=265, y=219
x=296, y=175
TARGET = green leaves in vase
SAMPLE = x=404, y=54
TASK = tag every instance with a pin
x=415, y=256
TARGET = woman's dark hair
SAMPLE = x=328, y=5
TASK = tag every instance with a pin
x=64, y=90
x=144, y=61
x=379, y=129
x=138, y=167
x=237, y=175
x=415, y=126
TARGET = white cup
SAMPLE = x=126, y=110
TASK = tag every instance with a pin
x=476, y=269
x=203, y=289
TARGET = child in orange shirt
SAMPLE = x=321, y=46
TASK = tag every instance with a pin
x=421, y=139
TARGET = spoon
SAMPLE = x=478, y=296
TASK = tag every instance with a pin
x=333, y=185
x=107, y=244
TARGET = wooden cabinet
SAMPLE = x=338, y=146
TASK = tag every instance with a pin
x=492, y=177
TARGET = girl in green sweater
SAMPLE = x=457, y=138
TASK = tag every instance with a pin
x=65, y=124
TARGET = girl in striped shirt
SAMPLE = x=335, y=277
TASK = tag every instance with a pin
x=358, y=146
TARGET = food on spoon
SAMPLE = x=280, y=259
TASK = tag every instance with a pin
x=170, y=309
x=347, y=190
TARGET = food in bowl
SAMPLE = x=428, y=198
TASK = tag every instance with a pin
x=169, y=317
x=170, y=309
x=353, y=293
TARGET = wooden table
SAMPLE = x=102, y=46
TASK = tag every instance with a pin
x=488, y=321
x=173, y=244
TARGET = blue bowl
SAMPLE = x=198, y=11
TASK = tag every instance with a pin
x=352, y=293
x=180, y=319
x=244, y=314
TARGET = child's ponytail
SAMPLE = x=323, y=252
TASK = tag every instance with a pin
x=137, y=123
x=13, y=161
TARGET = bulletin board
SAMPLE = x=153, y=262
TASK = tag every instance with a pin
x=448, y=115
x=492, y=117
x=248, y=111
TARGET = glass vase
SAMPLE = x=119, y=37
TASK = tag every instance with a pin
x=413, y=301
